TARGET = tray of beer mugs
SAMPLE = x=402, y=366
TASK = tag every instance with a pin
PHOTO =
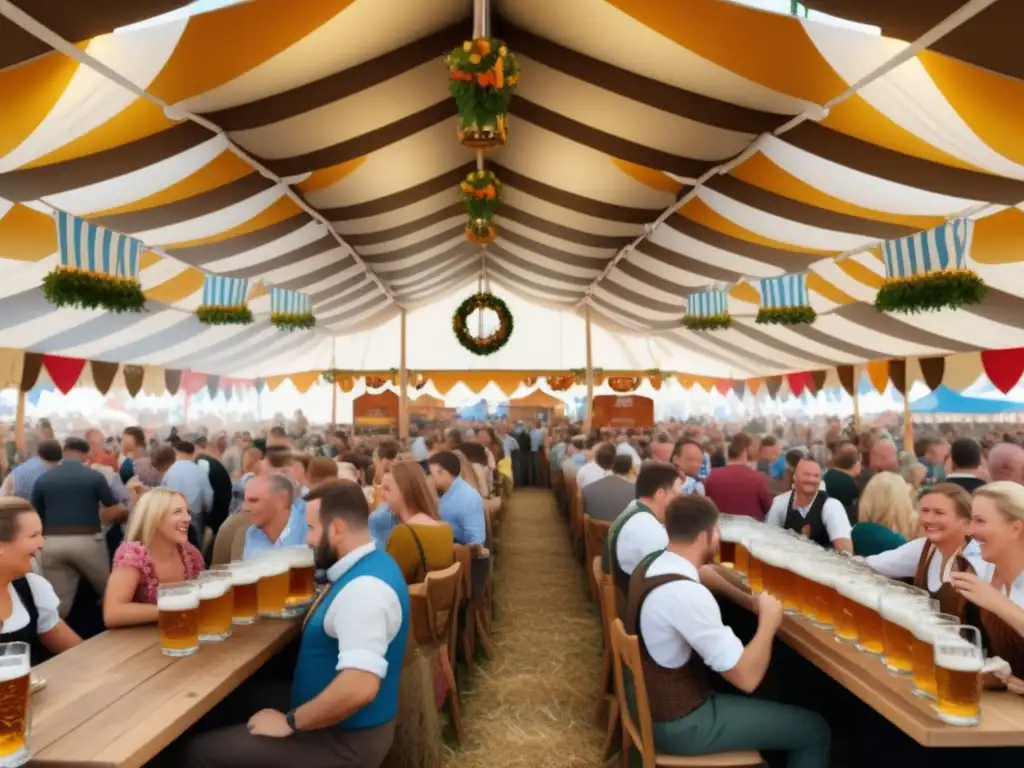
x=37, y=683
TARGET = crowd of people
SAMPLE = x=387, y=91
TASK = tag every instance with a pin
x=122, y=516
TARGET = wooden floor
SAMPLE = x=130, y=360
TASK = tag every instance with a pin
x=533, y=705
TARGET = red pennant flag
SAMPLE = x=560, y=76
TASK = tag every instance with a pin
x=64, y=371
x=1003, y=367
x=724, y=386
x=797, y=383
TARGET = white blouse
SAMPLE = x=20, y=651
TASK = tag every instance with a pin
x=901, y=563
x=47, y=605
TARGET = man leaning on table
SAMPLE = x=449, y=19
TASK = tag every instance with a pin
x=683, y=640
x=341, y=708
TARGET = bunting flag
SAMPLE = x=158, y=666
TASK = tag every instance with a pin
x=928, y=271
x=707, y=311
x=785, y=301
x=98, y=268
x=224, y=301
x=290, y=310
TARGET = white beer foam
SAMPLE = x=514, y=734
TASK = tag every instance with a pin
x=300, y=557
x=178, y=602
x=13, y=667
x=242, y=575
x=903, y=611
x=950, y=659
x=924, y=627
x=272, y=565
x=860, y=592
x=211, y=590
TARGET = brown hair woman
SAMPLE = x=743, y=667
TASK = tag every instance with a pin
x=422, y=542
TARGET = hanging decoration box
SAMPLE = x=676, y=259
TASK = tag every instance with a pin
x=928, y=271
x=482, y=77
x=98, y=268
x=290, y=310
x=707, y=311
x=224, y=301
x=785, y=301
x=480, y=195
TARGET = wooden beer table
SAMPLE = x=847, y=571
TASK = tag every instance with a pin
x=116, y=700
x=862, y=674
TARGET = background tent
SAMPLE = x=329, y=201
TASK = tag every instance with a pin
x=536, y=405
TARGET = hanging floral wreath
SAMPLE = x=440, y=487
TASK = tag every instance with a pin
x=623, y=384
x=487, y=345
x=482, y=77
x=480, y=194
x=561, y=382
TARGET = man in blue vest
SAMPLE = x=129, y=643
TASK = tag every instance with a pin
x=344, y=694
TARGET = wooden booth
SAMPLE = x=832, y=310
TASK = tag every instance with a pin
x=426, y=409
x=375, y=412
x=536, y=405
x=623, y=411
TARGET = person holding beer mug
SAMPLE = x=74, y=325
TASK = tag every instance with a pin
x=29, y=608
x=344, y=695
x=996, y=590
x=944, y=513
x=683, y=640
x=155, y=551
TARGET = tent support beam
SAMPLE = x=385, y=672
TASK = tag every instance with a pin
x=588, y=412
x=908, y=420
x=856, y=400
x=403, y=385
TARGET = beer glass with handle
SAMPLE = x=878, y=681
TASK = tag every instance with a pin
x=216, y=603
x=959, y=659
x=301, y=569
x=922, y=680
x=244, y=585
x=272, y=589
x=898, y=608
x=178, y=622
x=15, y=695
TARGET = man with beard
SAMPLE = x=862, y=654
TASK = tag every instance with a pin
x=683, y=640
x=344, y=693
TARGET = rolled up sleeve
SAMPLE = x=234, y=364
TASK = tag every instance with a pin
x=364, y=618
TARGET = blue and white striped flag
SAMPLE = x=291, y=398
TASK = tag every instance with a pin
x=707, y=304
x=91, y=248
x=784, y=291
x=947, y=247
x=225, y=291
x=286, y=302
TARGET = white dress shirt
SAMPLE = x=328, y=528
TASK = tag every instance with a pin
x=987, y=571
x=364, y=617
x=837, y=524
x=625, y=449
x=46, y=602
x=901, y=563
x=590, y=473
x=681, y=617
x=642, y=534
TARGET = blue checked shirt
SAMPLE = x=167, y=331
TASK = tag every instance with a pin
x=460, y=506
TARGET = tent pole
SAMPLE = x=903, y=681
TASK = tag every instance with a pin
x=856, y=400
x=19, y=422
x=403, y=387
x=908, y=421
x=588, y=412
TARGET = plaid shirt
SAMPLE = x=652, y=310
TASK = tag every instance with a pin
x=705, y=469
x=692, y=487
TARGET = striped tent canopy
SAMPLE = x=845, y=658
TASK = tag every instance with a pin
x=656, y=150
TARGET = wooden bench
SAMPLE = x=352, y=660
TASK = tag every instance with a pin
x=116, y=700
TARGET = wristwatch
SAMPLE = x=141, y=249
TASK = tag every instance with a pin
x=290, y=719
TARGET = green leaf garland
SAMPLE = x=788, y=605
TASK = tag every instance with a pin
x=707, y=322
x=212, y=315
x=287, y=321
x=931, y=292
x=65, y=287
x=786, y=316
x=489, y=344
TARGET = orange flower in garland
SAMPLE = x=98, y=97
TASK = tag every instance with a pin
x=482, y=77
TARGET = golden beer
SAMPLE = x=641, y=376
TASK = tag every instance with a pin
x=843, y=624
x=244, y=588
x=15, y=696
x=958, y=664
x=898, y=611
x=742, y=561
x=863, y=595
x=178, y=620
x=726, y=551
x=301, y=568
x=272, y=588
x=755, y=575
x=922, y=651
x=216, y=603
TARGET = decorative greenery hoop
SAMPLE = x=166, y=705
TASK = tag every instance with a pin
x=287, y=321
x=67, y=287
x=786, y=316
x=214, y=315
x=931, y=292
x=707, y=322
x=482, y=77
x=489, y=344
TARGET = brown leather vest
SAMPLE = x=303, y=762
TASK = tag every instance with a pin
x=950, y=601
x=1004, y=642
x=671, y=693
